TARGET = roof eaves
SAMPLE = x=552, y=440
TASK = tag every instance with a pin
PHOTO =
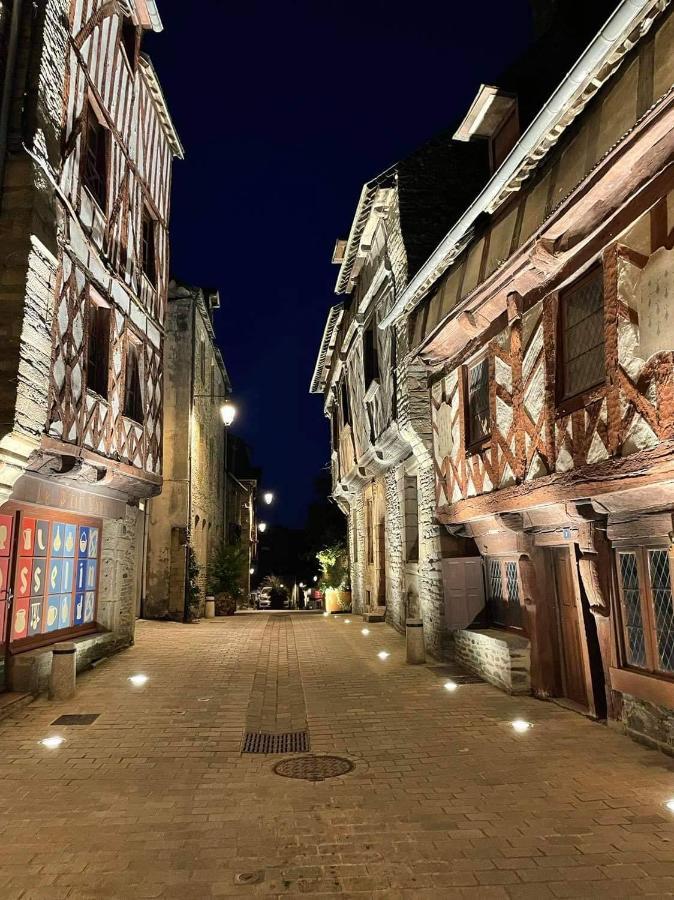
x=325, y=352
x=162, y=108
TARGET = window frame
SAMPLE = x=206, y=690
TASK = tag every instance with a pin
x=148, y=266
x=92, y=113
x=474, y=444
x=371, y=368
x=124, y=34
x=568, y=403
x=132, y=340
x=647, y=609
x=94, y=305
x=517, y=625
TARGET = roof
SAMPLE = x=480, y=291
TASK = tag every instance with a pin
x=162, y=108
x=547, y=122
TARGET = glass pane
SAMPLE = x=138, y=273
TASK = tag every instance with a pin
x=585, y=298
x=584, y=371
x=478, y=400
x=583, y=340
x=495, y=582
x=515, y=610
x=664, y=610
x=631, y=602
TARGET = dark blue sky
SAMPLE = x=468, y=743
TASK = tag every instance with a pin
x=285, y=110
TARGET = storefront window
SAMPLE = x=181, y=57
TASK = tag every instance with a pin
x=56, y=574
x=504, y=604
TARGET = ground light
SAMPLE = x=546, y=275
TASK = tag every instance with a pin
x=451, y=685
x=365, y=631
x=347, y=621
x=383, y=654
x=326, y=614
x=138, y=680
x=670, y=805
x=52, y=742
x=520, y=726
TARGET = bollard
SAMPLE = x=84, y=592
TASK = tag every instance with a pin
x=63, y=671
x=414, y=632
x=210, y=607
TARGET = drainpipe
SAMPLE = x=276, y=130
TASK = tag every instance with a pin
x=6, y=102
x=189, y=452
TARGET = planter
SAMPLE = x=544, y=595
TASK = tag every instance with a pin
x=337, y=601
x=225, y=605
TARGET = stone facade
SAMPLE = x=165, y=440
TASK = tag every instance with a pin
x=83, y=277
x=497, y=656
x=190, y=512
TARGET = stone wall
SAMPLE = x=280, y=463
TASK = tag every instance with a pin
x=497, y=656
x=648, y=723
x=395, y=547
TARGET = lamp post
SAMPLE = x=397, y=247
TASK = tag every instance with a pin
x=268, y=497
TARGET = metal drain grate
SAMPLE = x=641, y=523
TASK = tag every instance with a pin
x=76, y=719
x=461, y=677
x=288, y=742
x=313, y=768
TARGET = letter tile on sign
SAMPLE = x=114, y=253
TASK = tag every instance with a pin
x=93, y=543
x=4, y=574
x=39, y=577
x=64, y=610
x=67, y=575
x=41, y=537
x=89, y=604
x=6, y=523
x=27, y=539
x=55, y=576
x=23, y=583
x=79, y=609
x=83, y=545
x=91, y=575
x=81, y=581
x=20, y=620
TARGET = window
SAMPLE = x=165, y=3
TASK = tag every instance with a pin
x=647, y=609
x=98, y=348
x=133, y=395
x=504, y=603
x=334, y=428
x=212, y=379
x=346, y=407
x=95, y=158
x=369, y=536
x=582, y=335
x=129, y=40
x=148, y=249
x=370, y=355
x=202, y=360
x=477, y=390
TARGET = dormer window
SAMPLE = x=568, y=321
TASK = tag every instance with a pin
x=95, y=157
x=492, y=116
x=129, y=41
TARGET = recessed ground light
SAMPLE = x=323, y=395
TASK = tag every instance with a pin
x=138, y=680
x=521, y=726
x=52, y=742
x=451, y=685
x=203, y=699
x=383, y=654
x=365, y=631
x=670, y=805
x=347, y=621
x=326, y=614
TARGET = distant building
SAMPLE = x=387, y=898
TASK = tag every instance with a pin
x=85, y=180
x=190, y=513
x=242, y=480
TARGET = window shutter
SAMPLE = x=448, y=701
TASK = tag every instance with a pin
x=463, y=583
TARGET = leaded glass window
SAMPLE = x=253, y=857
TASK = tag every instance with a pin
x=582, y=338
x=632, y=618
x=478, y=401
x=661, y=588
x=504, y=593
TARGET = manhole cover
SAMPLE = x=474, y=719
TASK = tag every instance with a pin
x=76, y=719
x=313, y=768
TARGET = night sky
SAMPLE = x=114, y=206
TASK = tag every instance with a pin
x=285, y=110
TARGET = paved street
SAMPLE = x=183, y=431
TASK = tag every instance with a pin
x=155, y=798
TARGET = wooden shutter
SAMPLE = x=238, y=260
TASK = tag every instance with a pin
x=463, y=583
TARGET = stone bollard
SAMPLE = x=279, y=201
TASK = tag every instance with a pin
x=210, y=607
x=414, y=632
x=63, y=671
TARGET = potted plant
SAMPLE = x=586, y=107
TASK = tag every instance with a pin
x=335, y=583
x=278, y=593
x=227, y=577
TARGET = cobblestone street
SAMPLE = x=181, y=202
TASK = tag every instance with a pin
x=156, y=799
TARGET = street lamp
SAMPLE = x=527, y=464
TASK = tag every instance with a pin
x=251, y=571
x=268, y=497
x=262, y=526
x=228, y=412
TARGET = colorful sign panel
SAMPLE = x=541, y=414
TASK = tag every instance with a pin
x=56, y=576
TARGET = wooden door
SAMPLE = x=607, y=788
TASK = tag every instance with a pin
x=573, y=649
x=6, y=566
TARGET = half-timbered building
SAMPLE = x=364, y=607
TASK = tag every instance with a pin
x=83, y=274
x=378, y=408
x=545, y=320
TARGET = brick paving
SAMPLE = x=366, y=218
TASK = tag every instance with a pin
x=155, y=798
